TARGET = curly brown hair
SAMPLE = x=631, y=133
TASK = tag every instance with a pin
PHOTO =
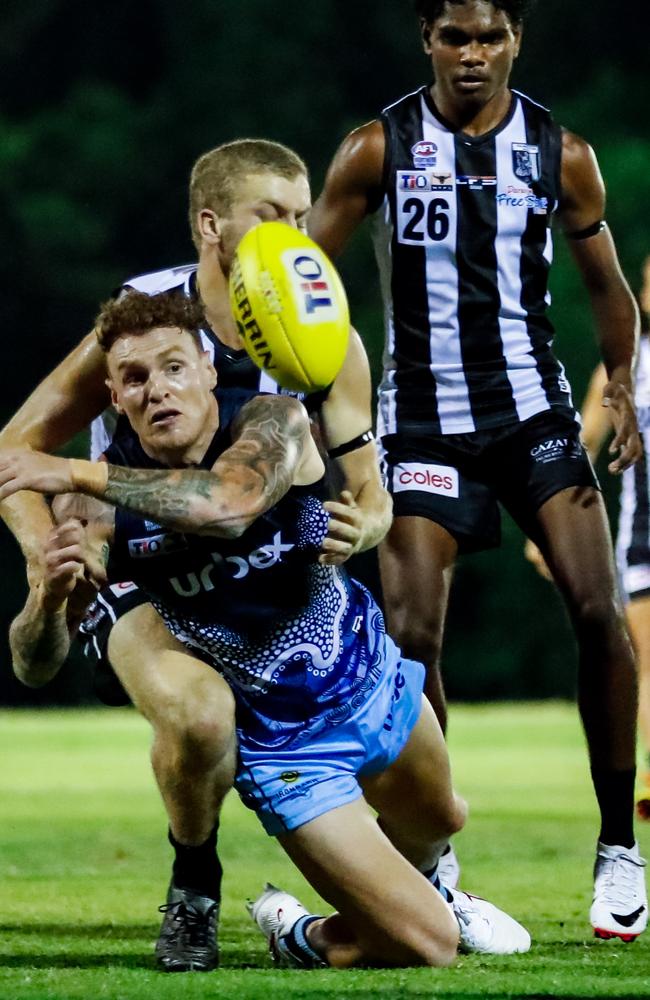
x=137, y=313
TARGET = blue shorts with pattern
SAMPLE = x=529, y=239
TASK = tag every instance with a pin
x=321, y=770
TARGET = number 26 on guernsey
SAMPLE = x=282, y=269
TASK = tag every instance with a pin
x=424, y=220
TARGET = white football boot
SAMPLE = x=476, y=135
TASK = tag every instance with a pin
x=276, y=913
x=484, y=928
x=448, y=870
x=620, y=904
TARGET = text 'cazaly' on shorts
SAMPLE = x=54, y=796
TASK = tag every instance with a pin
x=292, y=786
x=459, y=480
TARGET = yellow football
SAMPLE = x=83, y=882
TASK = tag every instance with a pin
x=290, y=307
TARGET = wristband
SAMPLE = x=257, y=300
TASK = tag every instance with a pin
x=88, y=477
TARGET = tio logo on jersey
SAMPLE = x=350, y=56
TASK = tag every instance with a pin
x=424, y=180
x=156, y=545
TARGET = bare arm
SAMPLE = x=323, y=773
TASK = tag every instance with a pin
x=596, y=422
x=40, y=635
x=352, y=188
x=273, y=450
x=61, y=406
x=614, y=308
x=362, y=515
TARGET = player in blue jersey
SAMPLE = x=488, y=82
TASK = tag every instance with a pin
x=463, y=178
x=232, y=188
x=219, y=519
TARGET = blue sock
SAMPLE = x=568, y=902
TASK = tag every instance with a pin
x=295, y=947
x=432, y=875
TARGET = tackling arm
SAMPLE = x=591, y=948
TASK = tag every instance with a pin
x=362, y=515
x=615, y=312
x=61, y=406
x=272, y=450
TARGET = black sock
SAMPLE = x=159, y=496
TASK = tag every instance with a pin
x=198, y=868
x=615, y=794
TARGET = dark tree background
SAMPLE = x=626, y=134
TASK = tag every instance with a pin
x=104, y=107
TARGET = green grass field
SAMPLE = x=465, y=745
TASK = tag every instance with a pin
x=84, y=863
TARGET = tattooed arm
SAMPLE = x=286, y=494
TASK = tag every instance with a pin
x=40, y=635
x=272, y=450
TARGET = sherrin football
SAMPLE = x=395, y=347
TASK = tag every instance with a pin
x=290, y=307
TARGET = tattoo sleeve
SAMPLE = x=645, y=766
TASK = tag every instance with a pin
x=248, y=478
x=39, y=641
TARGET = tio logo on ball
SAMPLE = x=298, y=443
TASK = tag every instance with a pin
x=314, y=296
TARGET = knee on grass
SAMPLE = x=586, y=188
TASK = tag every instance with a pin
x=419, y=943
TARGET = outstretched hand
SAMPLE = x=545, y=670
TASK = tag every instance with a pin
x=626, y=443
x=345, y=530
x=23, y=469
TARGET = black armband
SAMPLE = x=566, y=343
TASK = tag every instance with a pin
x=357, y=442
x=584, y=234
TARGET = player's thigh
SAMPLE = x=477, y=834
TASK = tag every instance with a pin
x=396, y=914
x=548, y=485
x=441, y=506
x=416, y=790
x=416, y=562
x=576, y=542
x=164, y=681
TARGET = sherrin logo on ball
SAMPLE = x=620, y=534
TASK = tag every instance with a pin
x=290, y=307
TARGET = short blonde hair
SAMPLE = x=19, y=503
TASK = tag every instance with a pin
x=216, y=174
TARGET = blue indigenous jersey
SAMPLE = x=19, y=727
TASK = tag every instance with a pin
x=300, y=644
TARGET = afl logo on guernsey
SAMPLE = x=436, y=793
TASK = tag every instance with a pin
x=425, y=154
x=440, y=479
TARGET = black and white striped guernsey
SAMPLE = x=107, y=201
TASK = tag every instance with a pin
x=633, y=537
x=463, y=243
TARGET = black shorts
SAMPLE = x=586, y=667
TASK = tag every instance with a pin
x=459, y=480
x=112, y=603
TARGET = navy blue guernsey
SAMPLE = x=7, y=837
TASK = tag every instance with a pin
x=463, y=243
x=293, y=638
